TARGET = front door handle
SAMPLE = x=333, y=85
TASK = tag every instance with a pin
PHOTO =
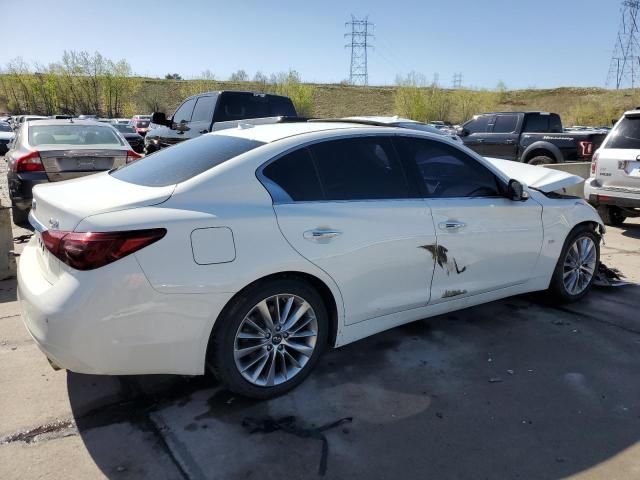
x=315, y=235
x=510, y=142
x=204, y=131
x=451, y=225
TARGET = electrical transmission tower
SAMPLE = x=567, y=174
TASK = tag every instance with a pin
x=457, y=79
x=625, y=62
x=360, y=34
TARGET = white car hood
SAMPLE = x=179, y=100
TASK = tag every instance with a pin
x=541, y=178
x=6, y=135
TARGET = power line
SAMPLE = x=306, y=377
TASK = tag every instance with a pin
x=624, y=69
x=360, y=35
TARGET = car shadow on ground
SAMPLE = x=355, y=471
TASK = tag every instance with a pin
x=511, y=389
x=631, y=230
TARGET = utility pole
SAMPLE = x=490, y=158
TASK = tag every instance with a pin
x=624, y=69
x=359, y=34
x=457, y=80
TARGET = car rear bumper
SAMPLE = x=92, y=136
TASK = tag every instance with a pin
x=111, y=321
x=21, y=188
x=599, y=195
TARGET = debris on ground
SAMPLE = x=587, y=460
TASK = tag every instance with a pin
x=288, y=425
x=609, y=277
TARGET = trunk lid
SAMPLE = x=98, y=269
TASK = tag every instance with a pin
x=62, y=205
x=68, y=162
x=543, y=179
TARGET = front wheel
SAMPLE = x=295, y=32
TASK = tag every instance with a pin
x=577, y=265
x=269, y=338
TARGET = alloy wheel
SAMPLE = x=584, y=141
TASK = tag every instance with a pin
x=579, y=265
x=275, y=340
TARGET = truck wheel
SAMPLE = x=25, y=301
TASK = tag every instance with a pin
x=20, y=217
x=541, y=160
x=611, y=216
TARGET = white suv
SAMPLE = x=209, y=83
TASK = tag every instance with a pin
x=614, y=185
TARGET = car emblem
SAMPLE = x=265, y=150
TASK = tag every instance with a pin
x=34, y=204
x=53, y=224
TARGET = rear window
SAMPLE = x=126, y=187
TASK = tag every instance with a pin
x=70, y=134
x=240, y=106
x=626, y=134
x=124, y=128
x=142, y=124
x=183, y=161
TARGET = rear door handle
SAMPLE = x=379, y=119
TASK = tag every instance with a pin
x=451, y=225
x=321, y=234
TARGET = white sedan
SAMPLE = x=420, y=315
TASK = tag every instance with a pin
x=249, y=251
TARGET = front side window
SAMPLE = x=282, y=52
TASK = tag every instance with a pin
x=505, y=124
x=478, y=125
x=447, y=172
x=359, y=168
x=183, y=114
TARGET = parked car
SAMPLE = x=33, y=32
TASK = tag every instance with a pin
x=211, y=111
x=529, y=137
x=53, y=150
x=136, y=141
x=396, y=121
x=27, y=118
x=250, y=250
x=614, y=185
x=141, y=123
x=6, y=135
x=122, y=121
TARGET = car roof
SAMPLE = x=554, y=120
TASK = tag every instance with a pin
x=390, y=120
x=53, y=121
x=277, y=131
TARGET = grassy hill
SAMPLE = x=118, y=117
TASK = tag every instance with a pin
x=584, y=106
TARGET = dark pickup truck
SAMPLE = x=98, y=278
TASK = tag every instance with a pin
x=530, y=137
x=211, y=111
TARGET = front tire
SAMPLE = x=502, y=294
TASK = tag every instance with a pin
x=577, y=266
x=611, y=215
x=269, y=338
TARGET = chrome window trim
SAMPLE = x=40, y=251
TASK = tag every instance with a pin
x=280, y=197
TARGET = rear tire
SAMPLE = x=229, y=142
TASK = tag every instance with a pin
x=541, y=160
x=611, y=215
x=20, y=217
x=233, y=334
x=574, y=257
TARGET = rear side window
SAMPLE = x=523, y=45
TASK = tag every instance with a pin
x=505, y=124
x=537, y=123
x=296, y=175
x=359, y=169
x=281, y=106
x=445, y=171
x=626, y=134
x=241, y=105
x=204, y=109
x=183, y=161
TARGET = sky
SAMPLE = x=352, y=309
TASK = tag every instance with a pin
x=522, y=43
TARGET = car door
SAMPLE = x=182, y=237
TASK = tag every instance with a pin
x=345, y=205
x=502, y=140
x=180, y=125
x=485, y=241
x=202, y=116
x=475, y=131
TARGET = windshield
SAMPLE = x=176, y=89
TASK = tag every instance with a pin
x=125, y=128
x=626, y=134
x=183, y=161
x=4, y=127
x=73, y=135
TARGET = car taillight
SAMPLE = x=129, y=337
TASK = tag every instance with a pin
x=132, y=156
x=594, y=163
x=90, y=250
x=586, y=148
x=30, y=162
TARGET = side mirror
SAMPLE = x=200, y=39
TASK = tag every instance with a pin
x=159, y=118
x=462, y=132
x=181, y=127
x=516, y=192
